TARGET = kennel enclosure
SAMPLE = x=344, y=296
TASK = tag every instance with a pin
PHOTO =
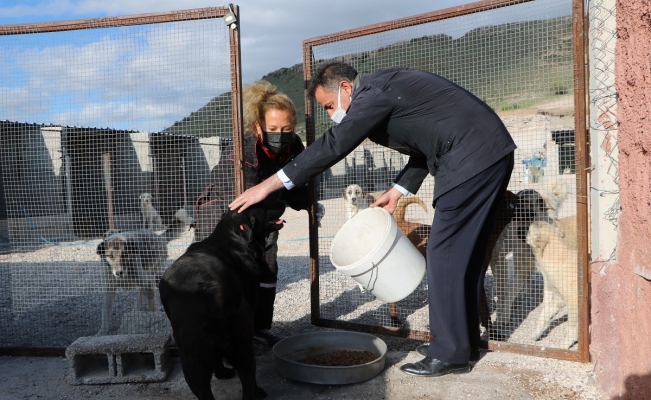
x=525, y=59
x=94, y=113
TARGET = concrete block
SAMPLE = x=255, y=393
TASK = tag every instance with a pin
x=119, y=359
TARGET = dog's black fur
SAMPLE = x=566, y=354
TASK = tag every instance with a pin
x=530, y=207
x=210, y=294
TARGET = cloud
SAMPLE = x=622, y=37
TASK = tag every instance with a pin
x=271, y=31
x=143, y=77
x=149, y=76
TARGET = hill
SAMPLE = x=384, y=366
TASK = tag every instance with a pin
x=509, y=66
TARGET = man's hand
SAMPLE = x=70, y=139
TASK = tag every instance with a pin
x=388, y=200
x=256, y=194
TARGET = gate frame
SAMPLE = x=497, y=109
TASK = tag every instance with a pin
x=579, y=25
x=145, y=19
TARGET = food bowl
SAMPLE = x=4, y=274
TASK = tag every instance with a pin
x=289, y=351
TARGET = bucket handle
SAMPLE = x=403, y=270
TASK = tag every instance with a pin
x=370, y=286
x=374, y=264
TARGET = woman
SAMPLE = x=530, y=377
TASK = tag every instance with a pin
x=269, y=144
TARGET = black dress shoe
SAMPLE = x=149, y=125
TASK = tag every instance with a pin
x=432, y=367
x=475, y=355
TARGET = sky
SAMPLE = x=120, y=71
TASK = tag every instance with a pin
x=123, y=78
x=272, y=31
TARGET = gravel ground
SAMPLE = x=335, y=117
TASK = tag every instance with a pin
x=56, y=297
x=496, y=375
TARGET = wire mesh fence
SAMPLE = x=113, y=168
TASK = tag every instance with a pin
x=520, y=57
x=111, y=128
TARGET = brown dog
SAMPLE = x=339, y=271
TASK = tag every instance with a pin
x=417, y=235
x=415, y=232
x=356, y=199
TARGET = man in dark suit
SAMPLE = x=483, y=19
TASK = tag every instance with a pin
x=447, y=132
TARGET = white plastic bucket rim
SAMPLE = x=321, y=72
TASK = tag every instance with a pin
x=374, y=255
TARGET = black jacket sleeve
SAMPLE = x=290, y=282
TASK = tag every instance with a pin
x=298, y=198
x=413, y=174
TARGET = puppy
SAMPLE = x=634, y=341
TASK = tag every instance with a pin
x=150, y=217
x=184, y=217
x=131, y=260
x=355, y=200
x=512, y=248
x=536, y=172
x=210, y=295
x=557, y=261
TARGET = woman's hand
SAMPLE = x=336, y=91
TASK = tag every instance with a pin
x=388, y=200
x=256, y=194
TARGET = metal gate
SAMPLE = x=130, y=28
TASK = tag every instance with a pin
x=110, y=125
x=526, y=60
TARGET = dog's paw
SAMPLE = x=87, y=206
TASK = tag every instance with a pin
x=260, y=393
x=225, y=373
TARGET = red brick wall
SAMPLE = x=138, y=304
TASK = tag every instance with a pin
x=621, y=298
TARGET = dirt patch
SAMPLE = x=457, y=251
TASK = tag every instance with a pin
x=534, y=383
x=340, y=358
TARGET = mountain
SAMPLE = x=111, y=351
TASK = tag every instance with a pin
x=213, y=119
x=508, y=66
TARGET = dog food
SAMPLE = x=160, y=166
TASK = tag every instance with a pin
x=340, y=358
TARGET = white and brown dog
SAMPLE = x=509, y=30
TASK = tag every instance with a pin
x=512, y=248
x=131, y=260
x=555, y=248
x=356, y=199
x=150, y=217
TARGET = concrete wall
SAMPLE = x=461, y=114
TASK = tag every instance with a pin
x=621, y=290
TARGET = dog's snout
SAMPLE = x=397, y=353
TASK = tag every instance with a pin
x=118, y=274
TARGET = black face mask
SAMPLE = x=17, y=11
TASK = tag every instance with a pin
x=278, y=141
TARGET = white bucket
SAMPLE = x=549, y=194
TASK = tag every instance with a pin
x=372, y=250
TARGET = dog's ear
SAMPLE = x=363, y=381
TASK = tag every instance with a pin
x=344, y=192
x=101, y=248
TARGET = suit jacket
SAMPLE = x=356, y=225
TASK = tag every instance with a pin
x=445, y=130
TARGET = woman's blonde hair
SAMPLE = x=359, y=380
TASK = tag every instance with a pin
x=260, y=97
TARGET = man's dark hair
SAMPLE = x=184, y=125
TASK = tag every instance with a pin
x=329, y=75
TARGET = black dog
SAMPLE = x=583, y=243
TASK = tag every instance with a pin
x=531, y=206
x=210, y=294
